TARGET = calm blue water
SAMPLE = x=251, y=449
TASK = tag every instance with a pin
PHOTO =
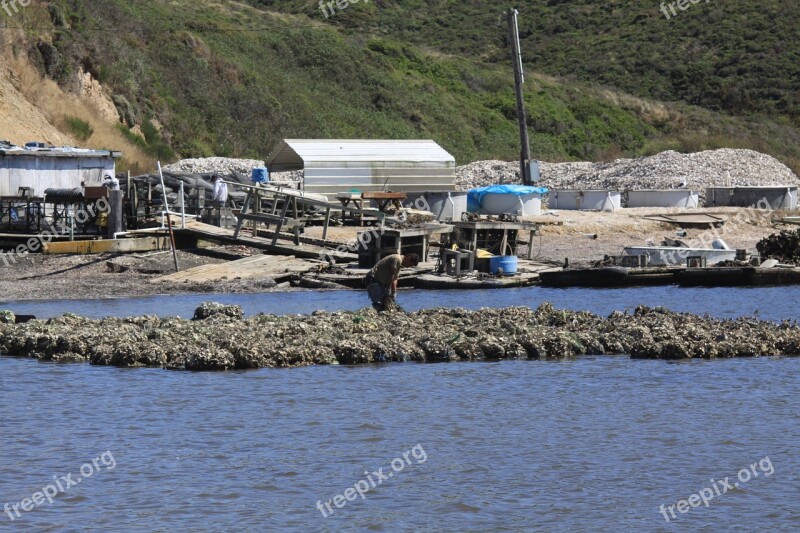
x=769, y=303
x=585, y=445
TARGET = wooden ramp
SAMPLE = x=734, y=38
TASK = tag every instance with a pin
x=689, y=219
x=302, y=250
x=278, y=268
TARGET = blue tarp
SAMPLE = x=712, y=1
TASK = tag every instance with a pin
x=475, y=196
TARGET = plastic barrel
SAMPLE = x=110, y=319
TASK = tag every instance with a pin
x=508, y=263
x=260, y=175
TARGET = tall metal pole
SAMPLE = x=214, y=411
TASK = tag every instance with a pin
x=519, y=79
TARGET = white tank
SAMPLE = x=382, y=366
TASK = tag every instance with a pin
x=445, y=206
x=663, y=198
x=590, y=200
x=511, y=204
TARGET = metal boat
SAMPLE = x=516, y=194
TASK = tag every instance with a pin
x=676, y=255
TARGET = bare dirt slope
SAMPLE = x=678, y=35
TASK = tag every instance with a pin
x=35, y=109
x=21, y=121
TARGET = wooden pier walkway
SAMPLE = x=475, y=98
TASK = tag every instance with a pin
x=304, y=250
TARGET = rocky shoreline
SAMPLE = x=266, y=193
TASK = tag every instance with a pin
x=220, y=338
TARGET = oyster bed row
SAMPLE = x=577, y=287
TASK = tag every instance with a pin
x=220, y=338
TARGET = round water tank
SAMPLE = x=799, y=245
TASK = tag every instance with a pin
x=511, y=204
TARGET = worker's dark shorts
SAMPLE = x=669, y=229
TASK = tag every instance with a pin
x=376, y=291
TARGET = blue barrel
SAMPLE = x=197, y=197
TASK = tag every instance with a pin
x=507, y=262
x=260, y=175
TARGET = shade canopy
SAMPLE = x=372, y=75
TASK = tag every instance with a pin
x=333, y=166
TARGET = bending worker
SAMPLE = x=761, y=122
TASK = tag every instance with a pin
x=381, y=281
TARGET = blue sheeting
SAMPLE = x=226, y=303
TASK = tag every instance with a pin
x=475, y=196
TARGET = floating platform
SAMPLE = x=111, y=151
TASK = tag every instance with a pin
x=608, y=277
x=604, y=277
x=438, y=282
x=738, y=276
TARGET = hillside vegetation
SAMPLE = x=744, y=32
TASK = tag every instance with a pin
x=740, y=56
x=227, y=78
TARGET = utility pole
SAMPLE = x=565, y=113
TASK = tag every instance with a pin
x=519, y=79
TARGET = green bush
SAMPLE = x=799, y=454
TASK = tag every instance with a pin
x=81, y=129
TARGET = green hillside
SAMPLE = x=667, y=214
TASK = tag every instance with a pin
x=740, y=56
x=228, y=78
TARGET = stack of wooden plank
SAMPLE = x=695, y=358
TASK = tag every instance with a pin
x=279, y=268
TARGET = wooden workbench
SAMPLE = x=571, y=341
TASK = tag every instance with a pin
x=495, y=236
x=377, y=243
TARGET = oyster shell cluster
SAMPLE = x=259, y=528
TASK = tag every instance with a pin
x=229, y=166
x=783, y=246
x=220, y=338
x=219, y=165
x=666, y=170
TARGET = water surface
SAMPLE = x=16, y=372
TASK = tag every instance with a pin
x=587, y=445
x=597, y=443
x=769, y=303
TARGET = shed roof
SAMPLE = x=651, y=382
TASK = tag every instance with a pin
x=295, y=154
x=7, y=150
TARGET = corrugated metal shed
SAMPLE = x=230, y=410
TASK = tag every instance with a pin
x=333, y=166
x=45, y=168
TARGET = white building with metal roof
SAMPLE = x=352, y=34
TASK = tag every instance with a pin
x=45, y=168
x=336, y=166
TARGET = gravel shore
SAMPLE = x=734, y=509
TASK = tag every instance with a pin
x=583, y=237
x=66, y=277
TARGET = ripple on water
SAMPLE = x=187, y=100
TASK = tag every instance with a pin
x=518, y=445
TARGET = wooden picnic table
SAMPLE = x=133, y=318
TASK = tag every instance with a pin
x=385, y=199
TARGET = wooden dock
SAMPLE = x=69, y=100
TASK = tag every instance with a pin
x=303, y=250
x=278, y=268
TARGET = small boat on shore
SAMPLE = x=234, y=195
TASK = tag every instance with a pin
x=677, y=255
